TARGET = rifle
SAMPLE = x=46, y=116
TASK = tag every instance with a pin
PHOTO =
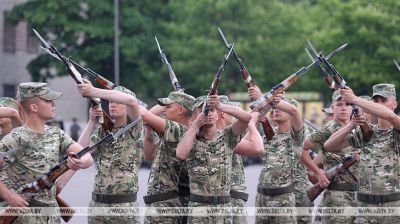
x=341, y=168
x=105, y=120
x=172, y=76
x=103, y=82
x=47, y=180
x=217, y=79
x=397, y=64
x=268, y=130
x=341, y=83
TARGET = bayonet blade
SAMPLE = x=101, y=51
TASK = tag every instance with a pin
x=41, y=39
x=123, y=130
x=158, y=45
x=336, y=51
x=397, y=64
x=223, y=38
x=309, y=54
x=50, y=53
x=312, y=48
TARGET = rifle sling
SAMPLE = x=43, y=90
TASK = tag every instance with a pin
x=343, y=186
x=378, y=198
x=114, y=198
x=275, y=191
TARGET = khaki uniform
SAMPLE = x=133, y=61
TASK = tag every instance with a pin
x=238, y=184
x=277, y=173
x=379, y=170
x=166, y=173
x=4, y=178
x=210, y=172
x=36, y=154
x=117, y=165
x=332, y=197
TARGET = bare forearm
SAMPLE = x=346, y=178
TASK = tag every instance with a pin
x=236, y=112
x=84, y=138
x=295, y=118
x=378, y=110
x=115, y=96
x=338, y=140
x=185, y=145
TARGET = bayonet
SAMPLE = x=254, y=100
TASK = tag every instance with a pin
x=397, y=64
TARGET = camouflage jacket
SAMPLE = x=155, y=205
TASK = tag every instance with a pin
x=238, y=182
x=118, y=162
x=36, y=154
x=278, y=159
x=379, y=166
x=166, y=169
x=3, y=174
x=332, y=159
x=210, y=164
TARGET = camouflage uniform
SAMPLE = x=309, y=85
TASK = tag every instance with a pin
x=166, y=171
x=336, y=198
x=238, y=184
x=36, y=154
x=117, y=165
x=11, y=103
x=379, y=165
x=210, y=166
x=277, y=173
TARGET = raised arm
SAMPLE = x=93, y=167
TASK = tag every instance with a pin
x=242, y=116
x=185, y=145
x=252, y=143
x=132, y=106
x=6, y=112
x=295, y=118
x=373, y=108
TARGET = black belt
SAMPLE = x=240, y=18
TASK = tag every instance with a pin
x=160, y=197
x=275, y=191
x=114, y=198
x=343, y=186
x=214, y=200
x=239, y=195
x=378, y=198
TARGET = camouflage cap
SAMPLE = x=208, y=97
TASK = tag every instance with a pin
x=291, y=101
x=327, y=110
x=124, y=90
x=199, y=101
x=36, y=89
x=384, y=90
x=8, y=102
x=365, y=97
x=336, y=95
x=183, y=99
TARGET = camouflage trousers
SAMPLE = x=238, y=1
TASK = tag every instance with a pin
x=208, y=219
x=378, y=219
x=334, y=198
x=239, y=204
x=282, y=200
x=174, y=202
x=38, y=219
x=113, y=219
x=302, y=201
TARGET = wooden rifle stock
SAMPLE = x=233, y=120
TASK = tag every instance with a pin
x=65, y=208
x=314, y=191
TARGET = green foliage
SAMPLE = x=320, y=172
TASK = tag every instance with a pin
x=270, y=36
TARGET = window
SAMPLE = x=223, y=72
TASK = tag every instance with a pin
x=32, y=42
x=9, y=39
x=9, y=90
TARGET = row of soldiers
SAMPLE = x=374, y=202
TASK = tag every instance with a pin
x=196, y=160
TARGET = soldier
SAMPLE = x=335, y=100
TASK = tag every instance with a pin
x=379, y=165
x=39, y=148
x=209, y=158
x=341, y=192
x=368, y=117
x=168, y=181
x=117, y=163
x=8, y=117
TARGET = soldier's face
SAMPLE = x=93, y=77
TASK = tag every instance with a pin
x=341, y=110
x=211, y=118
x=390, y=103
x=46, y=109
x=172, y=111
x=117, y=110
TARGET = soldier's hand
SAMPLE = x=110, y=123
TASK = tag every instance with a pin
x=322, y=179
x=15, y=200
x=199, y=121
x=95, y=112
x=73, y=162
x=254, y=118
x=277, y=98
x=348, y=95
x=357, y=120
x=86, y=88
x=254, y=92
x=213, y=102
